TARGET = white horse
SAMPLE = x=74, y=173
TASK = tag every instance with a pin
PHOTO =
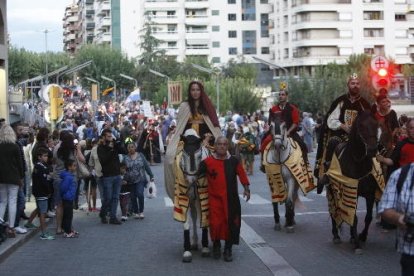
x=192, y=154
x=278, y=154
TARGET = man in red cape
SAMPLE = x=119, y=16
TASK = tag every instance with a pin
x=221, y=170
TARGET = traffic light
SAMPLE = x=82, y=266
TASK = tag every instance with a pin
x=381, y=77
x=56, y=102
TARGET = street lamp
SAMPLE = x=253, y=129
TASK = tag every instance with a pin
x=108, y=79
x=271, y=65
x=130, y=78
x=73, y=70
x=217, y=73
x=168, y=80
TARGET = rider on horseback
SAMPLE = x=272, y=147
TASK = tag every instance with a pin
x=337, y=126
x=290, y=116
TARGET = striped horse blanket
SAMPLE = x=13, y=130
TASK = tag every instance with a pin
x=301, y=172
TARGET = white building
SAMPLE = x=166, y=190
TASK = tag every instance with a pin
x=306, y=33
x=294, y=34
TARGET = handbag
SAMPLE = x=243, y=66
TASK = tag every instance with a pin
x=82, y=169
x=151, y=190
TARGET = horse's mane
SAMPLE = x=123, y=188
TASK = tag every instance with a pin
x=362, y=117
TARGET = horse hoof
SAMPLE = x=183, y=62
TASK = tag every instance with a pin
x=336, y=240
x=194, y=247
x=187, y=257
x=358, y=251
x=277, y=227
x=290, y=229
x=205, y=252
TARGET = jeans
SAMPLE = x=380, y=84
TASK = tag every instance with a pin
x=407, y=265
x=138, y=192
x=111, y=188
x=8, y=197
x=20, y=206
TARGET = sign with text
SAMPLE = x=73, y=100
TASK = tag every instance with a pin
x=175, y=93
x=146, y=107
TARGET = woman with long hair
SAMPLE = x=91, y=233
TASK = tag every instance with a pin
x=64, y=151
x=11, y=175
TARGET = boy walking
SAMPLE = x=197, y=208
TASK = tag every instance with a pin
x=68, y=193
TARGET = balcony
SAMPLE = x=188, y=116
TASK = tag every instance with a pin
x=105, y=22
x=104, y=37
x=161, y=5
x=164, y=19
x=196, y=4
x=90, y=25
x=197, y=35
x=197, y=20
x=72, y=19
x=166, y=36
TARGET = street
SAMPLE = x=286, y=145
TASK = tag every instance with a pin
x=154, y=245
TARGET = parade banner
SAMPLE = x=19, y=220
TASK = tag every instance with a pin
x=175, y=92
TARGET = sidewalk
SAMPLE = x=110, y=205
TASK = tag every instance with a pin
x=11, y=244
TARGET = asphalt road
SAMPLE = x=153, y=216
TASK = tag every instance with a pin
x=154, y=246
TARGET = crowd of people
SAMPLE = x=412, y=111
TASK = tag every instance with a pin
x=118, y=144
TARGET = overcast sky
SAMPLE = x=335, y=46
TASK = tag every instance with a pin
x=28, y=19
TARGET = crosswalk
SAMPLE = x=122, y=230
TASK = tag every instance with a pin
x=256, y=199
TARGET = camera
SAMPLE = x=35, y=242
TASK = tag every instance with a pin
x=409, y=232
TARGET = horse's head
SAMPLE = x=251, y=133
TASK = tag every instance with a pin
x=191, y=157
x=278, y=130
x=364, y=134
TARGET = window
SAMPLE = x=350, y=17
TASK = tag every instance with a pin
x=231, y=1
x=265, y=50
x=369, y=51
x=373, y=32
x=232, y=34
x=215, y=28
x=249, y=42
x=172, y=44
x=232, y=17
x=215, y=60
x=215, y=12
x=233, y=51
x=400, y=17
x=373, y=15
x=216, y=44
x=264, y=1
x=170, y=13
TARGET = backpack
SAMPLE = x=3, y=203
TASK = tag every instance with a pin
x=402, y=177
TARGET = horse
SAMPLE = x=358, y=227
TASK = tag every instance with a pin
x=351, y=175
x=275, y=157
x=189, y=190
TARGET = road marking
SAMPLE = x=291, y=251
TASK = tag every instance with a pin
x=296, y=214
x=305, y=198
x=274, y=262
x=255, y=199
x=168, y=202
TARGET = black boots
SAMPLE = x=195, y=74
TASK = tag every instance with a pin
x=216, y=249
x=227, y=255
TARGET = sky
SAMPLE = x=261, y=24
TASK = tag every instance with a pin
x=27, y=21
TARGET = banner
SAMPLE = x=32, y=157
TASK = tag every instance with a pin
x=175, y=92
x=146, y=107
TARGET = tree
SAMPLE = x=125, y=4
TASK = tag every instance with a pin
x=105, y=61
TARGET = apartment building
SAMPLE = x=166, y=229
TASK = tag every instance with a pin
x=70, y=28
x=307, y=33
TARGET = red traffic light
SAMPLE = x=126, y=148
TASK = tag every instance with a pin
x=382, y=82
x=382, y=72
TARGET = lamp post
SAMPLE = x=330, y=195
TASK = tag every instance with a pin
x=162, y=76
x=130, y=78
x=46, y=31
x=271, y=65
x=108, y=79
x=217, y=74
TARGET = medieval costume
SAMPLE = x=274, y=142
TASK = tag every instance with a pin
x=342, y=111
x=224, y=203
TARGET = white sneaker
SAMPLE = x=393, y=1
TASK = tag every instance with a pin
x=136, y=216
x=51, y=214
x=20, y=230
x=124, y=218
x=141, y=215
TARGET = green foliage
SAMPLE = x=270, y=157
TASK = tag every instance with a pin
x=240, y=68
x=105, y=61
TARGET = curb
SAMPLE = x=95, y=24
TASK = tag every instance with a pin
x=12, y=244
